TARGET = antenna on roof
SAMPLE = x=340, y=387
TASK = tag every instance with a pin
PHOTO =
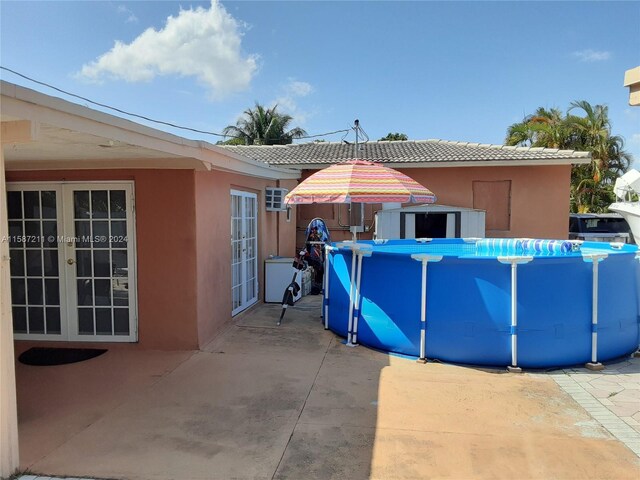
x=356, y=128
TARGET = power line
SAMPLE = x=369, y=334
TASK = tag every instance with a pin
x=347, y=130
x=161, y=122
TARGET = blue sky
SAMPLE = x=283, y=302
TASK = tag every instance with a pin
x=453, y=70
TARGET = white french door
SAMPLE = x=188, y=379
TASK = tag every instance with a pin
x=244, y=250
x=72, y=249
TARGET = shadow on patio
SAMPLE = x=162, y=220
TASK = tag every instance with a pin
x=293, y=402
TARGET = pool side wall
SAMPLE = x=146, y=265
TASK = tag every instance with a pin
x=469, y=308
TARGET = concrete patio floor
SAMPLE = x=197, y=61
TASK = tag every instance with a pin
x=292, y=402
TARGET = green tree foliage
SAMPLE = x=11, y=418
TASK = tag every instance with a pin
x=231, y=141
x=394, y=137
x=584, y=127
x=263, y=126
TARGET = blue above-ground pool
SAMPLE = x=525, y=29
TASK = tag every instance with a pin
x=496, y=302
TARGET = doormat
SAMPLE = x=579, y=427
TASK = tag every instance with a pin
x=58, y=356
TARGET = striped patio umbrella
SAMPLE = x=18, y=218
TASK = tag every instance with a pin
x=359, y=181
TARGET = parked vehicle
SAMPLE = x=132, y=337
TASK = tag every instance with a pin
x=599, y=227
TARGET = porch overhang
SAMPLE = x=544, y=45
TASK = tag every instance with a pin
x=42, y=132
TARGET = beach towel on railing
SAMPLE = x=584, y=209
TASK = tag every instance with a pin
x=546, y=247
x=499, y=246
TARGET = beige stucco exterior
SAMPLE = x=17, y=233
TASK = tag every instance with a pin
x=632, y=80
x=539, y=203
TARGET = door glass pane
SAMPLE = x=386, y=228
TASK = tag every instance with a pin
x=14, y=205
x=36, y=320
x=81, y=204
x=34, y=263
x=31, y=204
x=16, y=262
x=118, y=204
x=121, y=321
x=85, y=321
x=103, y=321
x=85, y=292
x=83, y=263
x=99, y=205
x=83, y=234
x=101, y=263
x=35, y=292
x=53, y=320
x=120, y=291
x=48, y=200
x=32, y=232
x=19, y=319
x=50, y=258
x=16, y=234
x=100, y=234
x=119, y=234
x=102, y=289
x=18, y=291
x=50, y=233
x=52, y=292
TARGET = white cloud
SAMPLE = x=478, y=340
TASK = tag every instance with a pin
x=592, y=55
x=287, y=101
x=299, y=89
x=131, y=17
x=201, y=43
x=635, y=139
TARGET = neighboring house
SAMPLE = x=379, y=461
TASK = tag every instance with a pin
x=524, y=191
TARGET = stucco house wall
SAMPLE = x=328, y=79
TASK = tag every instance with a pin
x=539, y=199
x=213, y=207
x=539, y=195
x=183, y=248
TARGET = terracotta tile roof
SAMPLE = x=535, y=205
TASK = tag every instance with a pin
x=418, y=152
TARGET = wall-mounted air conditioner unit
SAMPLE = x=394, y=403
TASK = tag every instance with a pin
x=274, y=198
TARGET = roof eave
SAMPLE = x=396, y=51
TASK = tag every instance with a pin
x=452, y=164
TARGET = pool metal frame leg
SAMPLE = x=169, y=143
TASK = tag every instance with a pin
x=358, y=251
x=424, y=258
x=595, y=258
x=514, y=261
x=356, y=301
x=325, y=300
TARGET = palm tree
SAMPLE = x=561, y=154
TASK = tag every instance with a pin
x=264, y=126
x=545, y=128
x=591, y=184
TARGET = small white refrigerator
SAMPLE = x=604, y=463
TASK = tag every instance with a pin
x=278, y=273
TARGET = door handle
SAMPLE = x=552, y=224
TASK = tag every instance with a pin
x=71, y=261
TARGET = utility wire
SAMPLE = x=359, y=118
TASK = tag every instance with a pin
x=161, y=122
